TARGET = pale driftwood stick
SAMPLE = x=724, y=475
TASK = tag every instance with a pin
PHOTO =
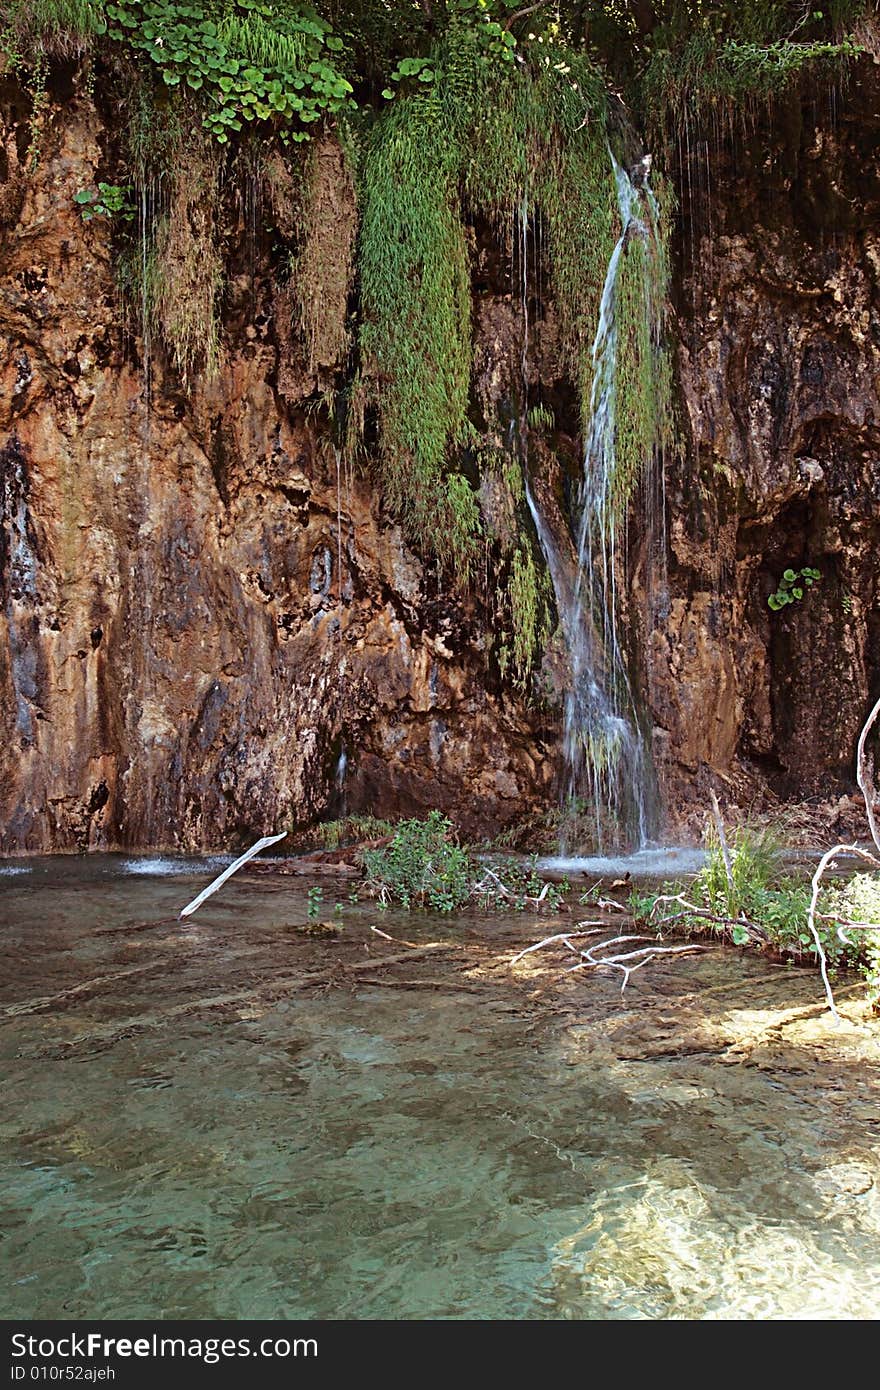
x=227, y=873
x=864, y=778
x=561, y=936
x=397, y=940
x=814, y=899
x=676, y=898
x=722, y=840
x=618, y=940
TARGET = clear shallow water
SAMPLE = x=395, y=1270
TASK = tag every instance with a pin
x=186, y=1132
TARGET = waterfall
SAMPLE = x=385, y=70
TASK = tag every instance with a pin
x=608, y=769
x=603, y=745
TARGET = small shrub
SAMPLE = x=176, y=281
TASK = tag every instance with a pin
x=422, y=866
x=764, y=907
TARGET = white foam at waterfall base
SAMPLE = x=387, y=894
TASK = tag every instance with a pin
x=171, y=868
x=661, y=861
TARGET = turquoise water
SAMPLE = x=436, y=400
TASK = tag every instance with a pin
x=195, y=1126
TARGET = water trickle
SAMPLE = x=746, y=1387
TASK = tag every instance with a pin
x=152, y=729
x=17, y=549
x=341, y=769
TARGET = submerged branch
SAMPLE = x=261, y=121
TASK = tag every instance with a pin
x=626, y=961
x=619, y=961
x=566, y=937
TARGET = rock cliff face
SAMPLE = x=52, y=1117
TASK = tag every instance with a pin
x=204, y=623
x=779, y=370
x=209, y=629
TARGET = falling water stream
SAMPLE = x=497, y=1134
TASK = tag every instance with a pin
x=149, y=722
x=212, y=1119
x=607, y=766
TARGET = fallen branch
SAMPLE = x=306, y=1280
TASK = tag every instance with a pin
x=609, y=905
x=618, y=961
x=427, y=982
x=227, y=873
x=481, y=890
x=755, y=930
x=48, y=1001
x=694, y=910
x=561, y=936
x=864, y=775
x=397, y=941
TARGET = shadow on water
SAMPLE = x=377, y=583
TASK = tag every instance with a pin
x=226, y=1118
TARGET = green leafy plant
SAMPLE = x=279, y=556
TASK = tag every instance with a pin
x=252, y=63
x=422, y=866
x=792, y=585
x=756, y=905
x=541, y=417
x=315, y=898
x=110, y=200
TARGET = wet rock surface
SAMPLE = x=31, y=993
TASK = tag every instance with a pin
x=201, y=618
x=779, y=363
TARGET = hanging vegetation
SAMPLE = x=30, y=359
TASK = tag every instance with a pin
x=415, y=339
x=322, y=270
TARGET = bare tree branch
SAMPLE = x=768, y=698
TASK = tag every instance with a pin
x=864, y=775
x=521, y=14
x=814, y=900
